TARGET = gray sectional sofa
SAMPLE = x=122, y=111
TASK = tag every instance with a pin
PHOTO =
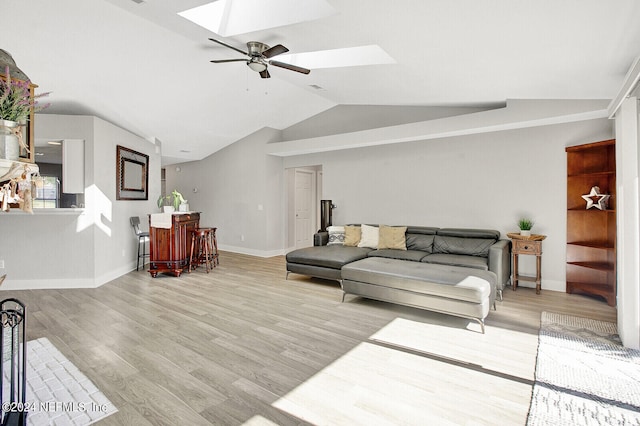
x=450, y=270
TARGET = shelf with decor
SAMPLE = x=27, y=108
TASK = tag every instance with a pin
x=582, y=210
x=26, y=152
x=17, y=153
x=591, y=220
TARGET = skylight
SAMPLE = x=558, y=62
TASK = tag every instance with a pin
x=345, y=57
x=232, y=17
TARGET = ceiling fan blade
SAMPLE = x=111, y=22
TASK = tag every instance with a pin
x=290, y=67
x=278, y=49
x=265, y=74
x=220, y=61
x=228, y=45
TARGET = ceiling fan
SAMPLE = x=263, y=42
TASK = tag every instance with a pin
x=259, y=57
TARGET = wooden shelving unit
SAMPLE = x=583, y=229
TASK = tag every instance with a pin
x=591, y=234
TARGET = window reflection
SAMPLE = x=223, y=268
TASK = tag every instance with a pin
x=47, y=193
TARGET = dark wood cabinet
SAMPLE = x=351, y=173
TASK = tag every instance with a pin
x=170, y=248
x=591, y=233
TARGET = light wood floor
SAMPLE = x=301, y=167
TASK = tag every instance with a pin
x=241, y=345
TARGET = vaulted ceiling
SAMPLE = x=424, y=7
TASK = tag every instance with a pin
x=145, y=68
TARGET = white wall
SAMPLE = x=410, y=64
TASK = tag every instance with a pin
x=628, y=195
x=115, y=252
x=232, y=185
x=81, y=248
x=43, y=250
x=481, y=181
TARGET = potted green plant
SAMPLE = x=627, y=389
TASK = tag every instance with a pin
x=171, y=202
x=525, y=226
x=16, y=104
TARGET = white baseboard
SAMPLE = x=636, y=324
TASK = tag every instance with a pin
x=551, y=285
x=253, y=252
x=47, y=284
x=112, y=275
x=62, y=283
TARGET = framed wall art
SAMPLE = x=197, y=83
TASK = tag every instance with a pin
x=132, y=174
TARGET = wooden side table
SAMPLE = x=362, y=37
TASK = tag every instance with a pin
x=531, y=245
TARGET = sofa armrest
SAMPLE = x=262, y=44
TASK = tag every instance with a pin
x=320, y=238
x=500, y=261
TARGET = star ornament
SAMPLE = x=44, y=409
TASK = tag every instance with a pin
x=596, y=199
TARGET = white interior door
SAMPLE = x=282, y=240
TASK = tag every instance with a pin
x=303, y=208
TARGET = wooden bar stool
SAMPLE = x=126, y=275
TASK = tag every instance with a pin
x=214, y=244
x=201, y=249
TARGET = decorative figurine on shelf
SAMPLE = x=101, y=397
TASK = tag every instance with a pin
x=17, y=105
x=525, y=226
x=20, y=189
x=596, y=199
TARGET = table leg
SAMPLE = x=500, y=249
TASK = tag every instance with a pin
x=193, y=240
x=538, y=273
x=215, y=245
x=514, y=276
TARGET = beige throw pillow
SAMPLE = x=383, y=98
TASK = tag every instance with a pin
x=351, y=235
x=392, y=237
x=369, y=237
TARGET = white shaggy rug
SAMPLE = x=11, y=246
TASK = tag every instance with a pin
x=57, y=392
x=584, y=376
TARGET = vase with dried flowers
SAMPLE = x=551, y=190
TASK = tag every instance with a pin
x=16, y=104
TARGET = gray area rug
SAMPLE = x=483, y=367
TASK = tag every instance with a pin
x=584, y=376
x=57, y=392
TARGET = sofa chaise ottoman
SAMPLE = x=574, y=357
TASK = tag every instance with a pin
x=447, y=289
x=324, y=261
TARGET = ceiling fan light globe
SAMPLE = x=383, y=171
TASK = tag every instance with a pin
x=257, y=66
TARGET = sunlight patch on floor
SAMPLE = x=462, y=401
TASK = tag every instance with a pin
x=375, y=384
x=259, y=421
x=499, y=349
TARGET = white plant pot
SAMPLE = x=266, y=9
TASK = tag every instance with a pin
x=184, y=207
x=169, y=209
x=9, y=145
x=525, y=233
